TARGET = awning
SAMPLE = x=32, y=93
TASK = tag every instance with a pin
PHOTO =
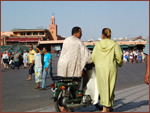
x=90, y=46
x=124, y=46
x=32, y=40
x=23, y=39
x=13, y=40
x=131, y=45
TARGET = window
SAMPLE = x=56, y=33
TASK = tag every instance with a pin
x=28, y=33
x=35, y=33
x=22, y=33
x=41, y=33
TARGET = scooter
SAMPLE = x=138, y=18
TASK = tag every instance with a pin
x=66, y=94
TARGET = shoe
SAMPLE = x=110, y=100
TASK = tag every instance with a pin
x=42, y=88
x=37, y=87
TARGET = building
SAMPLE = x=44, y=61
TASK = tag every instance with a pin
x=33, y=36
x=132, y=43
x=4, y=36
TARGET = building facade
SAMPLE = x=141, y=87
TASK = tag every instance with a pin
x=31, y=36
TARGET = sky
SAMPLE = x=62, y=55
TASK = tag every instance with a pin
x=124, y=18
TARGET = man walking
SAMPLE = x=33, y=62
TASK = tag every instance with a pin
x=46, y=68
x=16, y=60
x=25, y=61
x=31, y=55
x=38, y=67
x=74, y=57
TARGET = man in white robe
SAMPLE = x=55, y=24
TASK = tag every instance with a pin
x=73, y=58
x=74, y=55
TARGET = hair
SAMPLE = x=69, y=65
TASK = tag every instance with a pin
x=75, y=30
x=46, y=48
x=107, y=32
x=31, y=45
x=38, y=47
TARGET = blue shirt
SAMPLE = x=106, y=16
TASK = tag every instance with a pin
x=146, y=50
x=47, y=57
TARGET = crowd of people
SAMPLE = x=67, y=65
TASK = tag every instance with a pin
x=39, y=63
x=133, y=56
x=14, y=59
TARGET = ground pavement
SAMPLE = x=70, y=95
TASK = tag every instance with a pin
x=133, y=99
x=19, y=95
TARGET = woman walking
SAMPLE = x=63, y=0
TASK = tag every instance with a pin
x=106, y=55
x=5, y=59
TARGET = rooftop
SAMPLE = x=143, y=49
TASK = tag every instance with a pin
x=20, y=30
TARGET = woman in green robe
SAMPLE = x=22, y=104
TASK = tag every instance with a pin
x=106, y=55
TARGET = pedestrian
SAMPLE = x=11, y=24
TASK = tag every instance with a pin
x=146, y=51
x=131, y=56
x=74, y=56
x=125, y=57
x=20, y=60
x=25, y=56
x=16, y=60
x=106, y=55
x=8, y=58
x=5, y=59
x=2, y=58
x=134, y=53
x=46, y=68
x=143, y=56
x=127, y=53
x=31, y=56
x=55, y=52
x=38, y=67
x=140, y=56
x=136, y=57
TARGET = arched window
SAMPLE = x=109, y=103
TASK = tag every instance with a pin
x=35, y=33
x=28, y=33
x=41, y=33
x=22, y=33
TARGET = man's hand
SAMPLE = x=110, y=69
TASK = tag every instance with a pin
x=46, y=69
x=147, y=79
x=38, y=49
x=30, y=67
